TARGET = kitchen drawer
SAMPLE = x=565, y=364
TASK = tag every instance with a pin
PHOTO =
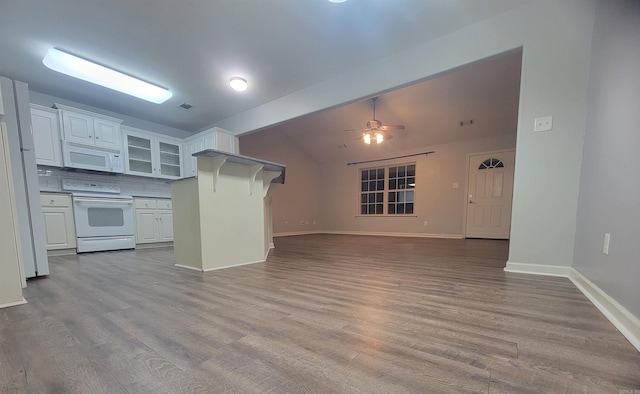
x=145, y=203
x=55, y=200
x=164, y=204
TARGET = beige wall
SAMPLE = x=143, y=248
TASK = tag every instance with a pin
x=329, y=195
x=298, y=200
x=187, y=245
x=437, y=202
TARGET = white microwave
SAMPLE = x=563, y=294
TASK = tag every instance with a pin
x=91, y=158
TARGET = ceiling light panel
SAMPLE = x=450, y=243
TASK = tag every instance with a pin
x=86, y=70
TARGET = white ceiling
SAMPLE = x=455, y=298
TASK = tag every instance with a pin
x=193, y=47
x=486, y=92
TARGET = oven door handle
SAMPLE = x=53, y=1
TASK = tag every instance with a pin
x=103, y=200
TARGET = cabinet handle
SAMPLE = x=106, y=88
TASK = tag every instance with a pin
x=51, y=202
x=97, y=138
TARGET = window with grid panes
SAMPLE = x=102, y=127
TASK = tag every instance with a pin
x=402, y=181
x=388, y=190
x=372, y=191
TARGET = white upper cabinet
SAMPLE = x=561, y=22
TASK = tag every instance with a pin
x=87, y=128
x=46, y=135
x=214, y=138
x=153, y=155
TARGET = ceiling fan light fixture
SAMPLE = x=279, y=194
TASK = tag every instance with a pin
x=86, y=70
x=238, y=84
x=366, y=137
x=379, y=138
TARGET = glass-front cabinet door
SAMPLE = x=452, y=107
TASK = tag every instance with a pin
x=148, y=154
x=169, y=159
x=139, y=155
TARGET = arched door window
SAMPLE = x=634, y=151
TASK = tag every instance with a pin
x=491, y=163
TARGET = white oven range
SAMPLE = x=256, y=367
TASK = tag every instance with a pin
x=104, y=218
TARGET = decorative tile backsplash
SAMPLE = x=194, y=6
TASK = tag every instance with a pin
x=50, y=179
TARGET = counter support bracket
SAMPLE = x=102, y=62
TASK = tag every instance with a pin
x=253, y=172
x=216, y=165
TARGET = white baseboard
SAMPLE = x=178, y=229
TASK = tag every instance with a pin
x=618, y=315
x=188, y=267
x=15, y=303
x=538, y=269
x=370, y=233
x=294, y=233
x=622, y=319
x=235, y=265
x=223, y=267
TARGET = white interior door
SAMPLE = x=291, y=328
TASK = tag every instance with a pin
x=489, y=195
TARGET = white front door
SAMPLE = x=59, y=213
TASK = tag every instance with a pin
x=489, y=195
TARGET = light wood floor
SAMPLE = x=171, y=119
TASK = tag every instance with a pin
x=324, y=314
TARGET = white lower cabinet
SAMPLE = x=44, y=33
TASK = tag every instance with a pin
x=58, y=221
x=154, y=220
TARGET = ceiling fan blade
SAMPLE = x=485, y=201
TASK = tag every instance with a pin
x=393, y=127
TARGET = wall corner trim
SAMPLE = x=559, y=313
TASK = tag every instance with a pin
x=619, y=316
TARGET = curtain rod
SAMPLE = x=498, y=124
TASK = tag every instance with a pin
x=391, y=158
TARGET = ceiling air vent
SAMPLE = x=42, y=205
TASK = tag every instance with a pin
x=185, y=105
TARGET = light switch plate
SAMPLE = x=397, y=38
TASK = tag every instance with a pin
x=605, y=247
x=543, y=124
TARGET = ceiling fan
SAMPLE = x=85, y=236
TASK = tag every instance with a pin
x=376, y=131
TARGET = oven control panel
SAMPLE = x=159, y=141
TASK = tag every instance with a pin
x=88, y=186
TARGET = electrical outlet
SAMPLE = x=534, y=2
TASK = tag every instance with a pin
x=286, y=223
x=426, y=223
x=543, y=124
x=607, y=239
x=302, y=222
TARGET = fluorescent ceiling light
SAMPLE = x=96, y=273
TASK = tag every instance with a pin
x=76, y=67
x=239, y=84
x=337, y=1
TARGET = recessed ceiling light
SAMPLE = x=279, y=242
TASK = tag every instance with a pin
x=86, y=70
x=337, y=1
x=239, y=84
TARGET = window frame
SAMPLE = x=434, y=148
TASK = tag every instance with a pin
x=387, y=191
